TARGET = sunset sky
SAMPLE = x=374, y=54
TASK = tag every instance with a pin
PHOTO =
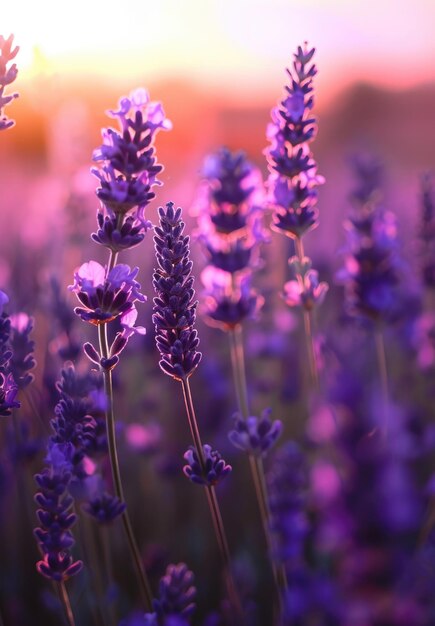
x=237, y=45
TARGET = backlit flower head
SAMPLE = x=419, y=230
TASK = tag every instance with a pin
x=105, y=297
x=293, y=179
x=129, y=168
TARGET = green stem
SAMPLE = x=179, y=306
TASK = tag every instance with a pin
x=213, y=503
x=309, y=339
x=64, y=598
x=144, y=585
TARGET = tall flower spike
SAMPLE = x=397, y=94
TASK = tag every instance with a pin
x=128, y=171
x=293, y=178
x=7, y=76
x=174, y=306
x=230, y=229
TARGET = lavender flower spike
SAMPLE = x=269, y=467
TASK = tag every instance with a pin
x=128, y=170
x=215, y=467
x=293, y=179
x=255, y=435
x=7, y=76
x=176, y=593
x=174, y=306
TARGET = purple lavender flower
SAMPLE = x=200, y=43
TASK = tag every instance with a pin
x=23, y=347
x=176, y=594
x=73, y=424
x=7, y=76
x=305, y=291
x=293, y=179
x=174, y=308
x=255, y=435
x=118, y=237
x=215, y=468
x=105, y=297
x=129, y=170
x=104, y=508
x=427, y=231
x=287, y=483
x=56, y=520
x=227, y=303
x=5, y=334
x=8, y=393
x=230, y=231
x=231, y=193
x=371, y=273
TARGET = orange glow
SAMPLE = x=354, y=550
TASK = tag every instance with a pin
x=239, y=46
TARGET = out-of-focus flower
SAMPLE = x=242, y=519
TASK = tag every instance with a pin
x=56, y=520
x=306, y=292
x=176, y=593
x=287, y=481
x=427, y=231
x=215, y=466
x=104, y=508
x=8, y=393
x=7, y=76
x=226, y=302
x=255, y=435
x=174, y=306
x=23, y=347
x=371, y=273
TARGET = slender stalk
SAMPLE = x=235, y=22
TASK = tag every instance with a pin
x=309, y=339
x=212, y=501
x=383, y=374
x=256, y=463
x=144, y=585
x=64, y=598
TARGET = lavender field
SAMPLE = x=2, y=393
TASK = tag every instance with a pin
x=217, y=354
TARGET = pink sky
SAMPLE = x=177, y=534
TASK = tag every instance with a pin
x=240, y=46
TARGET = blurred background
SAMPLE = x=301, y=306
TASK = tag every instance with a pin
x=218, y=67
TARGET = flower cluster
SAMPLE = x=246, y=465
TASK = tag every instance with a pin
x=106, y=296
x=230, y=231
x=215, y=467
x=427, y=231
x=305, y=291
x=8, y=386
x=176, y=593
x=104, y=508
x=255, y=435
x=293, y=179
x=287, y=484
x=23, y=347
x=7, y=76
x=371, y=273
x=174, y=306
x=73, y=425
x=128, y=171
x=54, y=534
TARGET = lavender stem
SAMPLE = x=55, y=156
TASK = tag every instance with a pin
x=144, y=585
x=212, y=501
x=256, y=463
x=64, y=598
x=312, y=361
